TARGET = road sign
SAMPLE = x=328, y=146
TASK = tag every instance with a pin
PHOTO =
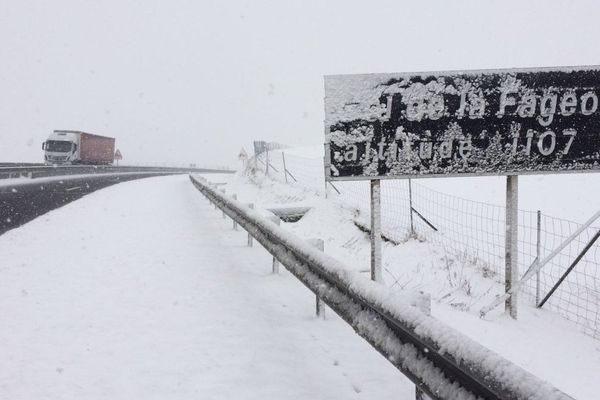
x=491, y=122
x=118, y=155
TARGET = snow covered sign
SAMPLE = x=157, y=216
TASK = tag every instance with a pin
x=490, y=122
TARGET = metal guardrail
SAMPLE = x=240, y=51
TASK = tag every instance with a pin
x=440, y=361
x=8, y=170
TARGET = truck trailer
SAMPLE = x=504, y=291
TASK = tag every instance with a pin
x=76, y=147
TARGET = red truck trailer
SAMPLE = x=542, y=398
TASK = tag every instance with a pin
x=96, y=149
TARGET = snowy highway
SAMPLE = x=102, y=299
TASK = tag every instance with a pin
x=142, y=290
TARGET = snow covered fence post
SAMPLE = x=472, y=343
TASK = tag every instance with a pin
x=233, y=219
x=375, y=230
x=267, y=162
x=511, y=273
x=275, y=219
x=284, y=168
x=251, y=206
x=319, y=305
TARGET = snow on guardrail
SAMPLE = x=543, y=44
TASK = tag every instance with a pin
x=439, y=360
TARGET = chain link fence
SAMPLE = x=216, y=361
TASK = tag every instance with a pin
x=473, y=231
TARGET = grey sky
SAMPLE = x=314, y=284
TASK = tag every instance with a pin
x=193, y=81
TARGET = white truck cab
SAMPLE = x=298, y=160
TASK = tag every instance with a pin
x=62, y=147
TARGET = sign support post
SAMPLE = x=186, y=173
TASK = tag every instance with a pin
x=376, y=230
x=410, y=205
x=511, y=273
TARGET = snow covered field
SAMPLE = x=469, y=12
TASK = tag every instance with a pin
x=143, y=291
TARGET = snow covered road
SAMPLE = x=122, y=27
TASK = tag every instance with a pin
x=142, y=290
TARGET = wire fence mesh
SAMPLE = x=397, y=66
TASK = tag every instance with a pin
x=473, y=231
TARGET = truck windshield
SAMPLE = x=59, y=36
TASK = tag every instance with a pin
x=58, y=146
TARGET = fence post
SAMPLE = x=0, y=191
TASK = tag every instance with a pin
x=319, y=306
x=537, y=256
x=511, y=272
x=234, y=221
x=376, y=230
x=267, y=163
x=410, y=203
x=275, y=219
x=251, y=205
x=284, y=167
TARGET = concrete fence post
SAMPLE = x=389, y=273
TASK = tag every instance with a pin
x=319, y=305
x=250, y=205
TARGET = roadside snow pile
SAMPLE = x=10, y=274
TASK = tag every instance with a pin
x=457, y=286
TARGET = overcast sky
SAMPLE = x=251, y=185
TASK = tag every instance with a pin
x=194, y=81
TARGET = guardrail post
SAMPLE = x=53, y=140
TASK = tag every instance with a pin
x=212, y=186
x=251, y=205
x=233, y=219
x=420, y=395
x=275, y=219
x=319, y=305
x=223, y=191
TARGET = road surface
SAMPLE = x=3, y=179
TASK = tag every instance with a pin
x=142, y=290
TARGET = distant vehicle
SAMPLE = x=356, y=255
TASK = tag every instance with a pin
x=75, y=147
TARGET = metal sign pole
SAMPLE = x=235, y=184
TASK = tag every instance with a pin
x=537, y=256
x=410, y=204
x=376, y=230
x=511, y=273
